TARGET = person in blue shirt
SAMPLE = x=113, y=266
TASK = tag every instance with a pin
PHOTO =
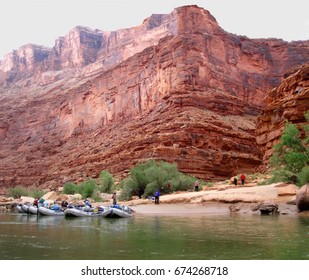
x=87, y=202
x=55, y=206
x=157, y=197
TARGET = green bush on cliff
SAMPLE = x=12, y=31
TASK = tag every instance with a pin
x=290, y=157
x=150, y=176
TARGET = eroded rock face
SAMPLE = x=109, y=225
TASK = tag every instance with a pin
x=177, y=88
x=287, y=102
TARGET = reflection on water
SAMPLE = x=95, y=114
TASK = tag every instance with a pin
x=154, y=237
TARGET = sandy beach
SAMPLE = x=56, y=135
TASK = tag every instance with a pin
x=220, y=200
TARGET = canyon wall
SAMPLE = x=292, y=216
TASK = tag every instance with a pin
x=287, y=102
x=176, y=88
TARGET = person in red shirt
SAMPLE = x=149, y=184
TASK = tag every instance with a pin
x=242, y=178
x=36, y=203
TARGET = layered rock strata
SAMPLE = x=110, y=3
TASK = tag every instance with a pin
x=176, y=88
x=287, y=102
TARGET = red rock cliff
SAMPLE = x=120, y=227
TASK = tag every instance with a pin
x=287, y=102
x=177, y=88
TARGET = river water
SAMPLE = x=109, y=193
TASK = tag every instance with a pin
x=150, y=237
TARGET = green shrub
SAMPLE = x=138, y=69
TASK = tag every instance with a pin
x=69, y=188
x=96, y=196
x=150, y=176
x=183, y=182
x=17, y=192
x=36, y=193
x=303, y=176
x=129, y=188
x=138, y=173
x=107, y=182
x=87, y=188
x=209, y=184
x=151, y=189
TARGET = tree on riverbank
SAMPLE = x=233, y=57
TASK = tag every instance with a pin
x=146, y=178
x=290, y=159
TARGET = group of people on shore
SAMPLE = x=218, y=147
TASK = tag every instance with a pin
x=242, y=179
x=196, y=186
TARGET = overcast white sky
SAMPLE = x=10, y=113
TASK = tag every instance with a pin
x=43, y=21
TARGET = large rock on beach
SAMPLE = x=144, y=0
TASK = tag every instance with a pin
x=50, y=196
x=26, y=199
x=302, y=198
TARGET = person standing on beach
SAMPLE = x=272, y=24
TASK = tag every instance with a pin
x=242, y=178
x=196, y=186
x=168, y=187
x=114, y=197
x=157, y=197
x=235, y=181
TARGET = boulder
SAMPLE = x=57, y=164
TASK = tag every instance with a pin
x=234, y=208
x=50, y=196
x=268, y=207
x=75, y=197
x=26, y=199
x=5, y=199
x=302, y=198
x=286, y=190
x=62, y=197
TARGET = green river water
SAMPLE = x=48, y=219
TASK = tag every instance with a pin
x=195, y=237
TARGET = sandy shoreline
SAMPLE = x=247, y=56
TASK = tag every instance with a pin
x=220, y=200
x=206, y=209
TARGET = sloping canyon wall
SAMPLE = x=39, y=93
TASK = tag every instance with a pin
x=177, y=88
x=287, y=102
